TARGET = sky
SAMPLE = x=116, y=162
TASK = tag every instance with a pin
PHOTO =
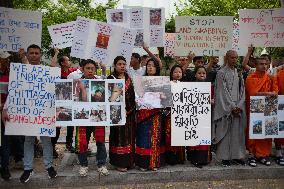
x=167, y=4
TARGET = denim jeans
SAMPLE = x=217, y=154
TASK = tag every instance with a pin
x=100, y=157
x=29, y=152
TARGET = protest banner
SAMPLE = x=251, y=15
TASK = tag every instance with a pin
x=169, y=44
x=152, y=92
x=101, y=42
x=262, y=27
x=142, y=52
x=19, y=29
x=149, y=23
x=203, y=35
x=31, y=100
x=62, y=34
x=266, y=117
x=90, y=102
x=191, y=114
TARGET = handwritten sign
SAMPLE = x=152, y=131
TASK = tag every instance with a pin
x=101, y=41
x=62, y=34
x=31, y=100
x=266, y=117
x=204, y=35
x=169, y=45
x=19, y=29
x=191, y=114
x=90, y=102
x=262, y=27
x=152, y=92
x=149, y=23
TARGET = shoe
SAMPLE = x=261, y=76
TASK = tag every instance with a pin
x=252, y=162
x=264, y=161
x=142, y=169
x=103, y=170
x=239, y=162
x=19, y=165
x=5, y=173
x=51, y=173
x=120, y=169
x=26, y=176
x=226, y=163
x=83, y=171
x=279, y=161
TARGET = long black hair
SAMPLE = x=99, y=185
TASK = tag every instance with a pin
x=172, y=71
x=157, y=66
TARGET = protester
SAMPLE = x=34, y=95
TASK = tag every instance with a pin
x=229, y=113
x=199, y=155
x=150, y=134
x=174, y=154
x=33, y=57
x=259, y=83
x=122, y=138
x=83, y=133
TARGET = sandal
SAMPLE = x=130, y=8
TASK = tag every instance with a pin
x=279, y=161
x=252, y=162
x=264, y=161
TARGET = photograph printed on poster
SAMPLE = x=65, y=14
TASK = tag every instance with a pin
x=97, y=91
x=102, y=41
x=117, y=17
x=281, y=125
x=63, y=90
x=271, y=126
x=115, y=92
x=257, y=105
x=64, y=113
x=270, y=105
x=139, y=40
x=257, y=127
x=98, y=113
x=156, y=17
x=81, y=113
x=81, y=90
x=281, y=104
x=115, y=114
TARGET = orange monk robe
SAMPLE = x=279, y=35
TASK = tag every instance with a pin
x=257, y=82
x=280, y=81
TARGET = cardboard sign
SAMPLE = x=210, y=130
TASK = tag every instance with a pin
x=19, y=29
x=31, y=100
x=191, y=114
x=203, y=35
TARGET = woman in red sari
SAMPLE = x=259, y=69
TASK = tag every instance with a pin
x=150, y=135
x=122, y=138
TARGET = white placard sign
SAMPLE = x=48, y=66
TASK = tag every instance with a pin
x=19, y=29
x=100, y=41
x=149, y=23
x=30, y=101
x=262, y=27
x=62, y=34
x=204, y=35
x=90, y=102
x=266, y=117
x=191, y=114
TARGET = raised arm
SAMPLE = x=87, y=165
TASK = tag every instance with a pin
x=23, y=57
x=54, y=58
x=245, y=65
x=152, y=55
